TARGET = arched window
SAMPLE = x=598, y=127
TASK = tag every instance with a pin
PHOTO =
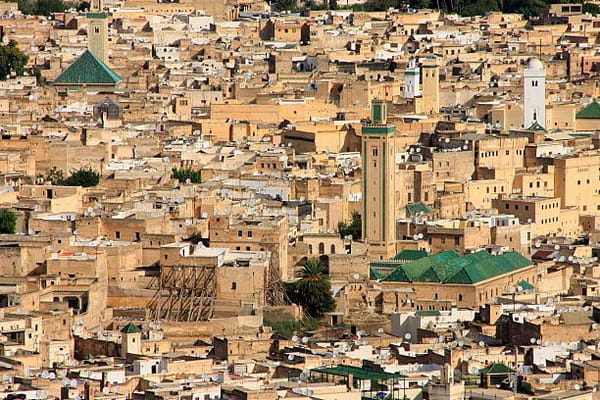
x=460, y=297
x=333, y=249
x=321, y=248
x=310, y=250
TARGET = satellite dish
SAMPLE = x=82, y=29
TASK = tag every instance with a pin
x=295, y=339
x=532, y=340
x=570, y=258
x=447, y=140
x=538, y=342
x=105, y=390
x=481, y=343
x=407, y=336
x=73, y=383
x=576, y=387
x=66, y=382
x=556, y=247
x=305, y=340
x=474, y=370
x=461, y=343
x=380, y=330
x=290, y=357
x=309, y=392
x=44, y=375
x=52, y=376
x=356, y=276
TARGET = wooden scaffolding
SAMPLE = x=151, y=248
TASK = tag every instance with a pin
x=184, y=294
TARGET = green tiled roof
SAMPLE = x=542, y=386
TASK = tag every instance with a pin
x=130, y=328
x=96, y=15
x=413, y=209
x=591, y=111
x=450, y=267
x=496, y=368
x=88, y=69
x=524, y=285
x=428, y=313
x=536, y=127
x=411, y=271
x=410, y=255
x=373, y=274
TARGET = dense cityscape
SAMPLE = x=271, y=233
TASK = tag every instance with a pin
x=329, y=200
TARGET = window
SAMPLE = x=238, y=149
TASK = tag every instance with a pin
x=332, y=251
x=321, y=248
x=249, y=233
x=233, y=285
x=460, y=297
x=118, y=235
x=240, y=233
x=375, y=152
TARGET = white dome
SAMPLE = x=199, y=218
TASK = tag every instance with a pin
x=535, y=63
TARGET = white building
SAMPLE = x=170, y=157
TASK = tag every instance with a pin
x=411, y=80
x=534, y=94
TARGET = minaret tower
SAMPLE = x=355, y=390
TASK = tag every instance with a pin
x=412, y=79
x=534, y=94
x=379, y=186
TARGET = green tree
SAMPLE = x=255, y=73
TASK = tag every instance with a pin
x=41, y=7
x=85, y=177
x=353, y=228
x=12, y=60
x=313, y=290
x=381, y=5
x=287, y=5
x=55, y=176
x=183, y=174
x=591, y=8
x=8, y=221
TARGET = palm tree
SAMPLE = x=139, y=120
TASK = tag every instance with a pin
x=313, y=290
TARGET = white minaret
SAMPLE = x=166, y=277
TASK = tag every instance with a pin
x=534, y=94
x=411, y=80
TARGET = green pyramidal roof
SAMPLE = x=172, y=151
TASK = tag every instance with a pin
x=88, y=69
x=130, y=328
x=591, y=111
x=496, y=368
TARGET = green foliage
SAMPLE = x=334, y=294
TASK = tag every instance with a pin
x=41, y=7
x=55, y=176
x=480, y=7
x=287, y=5
x=8, y=221
x=12, y=60
x=287, y=328
x=313, y=290
x=353, y=228
x=591, y=8
x=183, y=174
x=381, y=5
x=85, y=177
